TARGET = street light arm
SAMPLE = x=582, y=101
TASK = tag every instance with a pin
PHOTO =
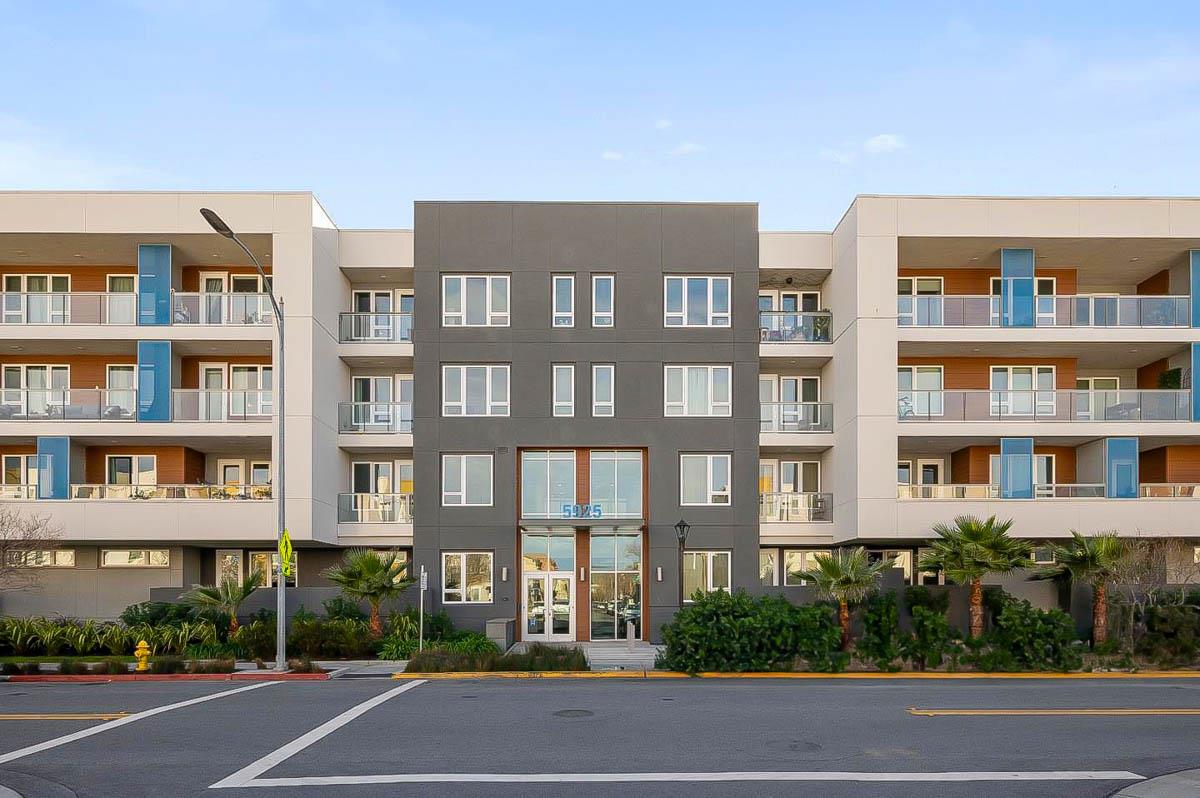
x=270, y=283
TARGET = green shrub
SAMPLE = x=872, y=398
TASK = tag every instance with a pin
x=393, y=647
x=324, y=639
x=157, y=613
x=465, y=642
x=212, y=651
x=167, y=664
x=10, y=669
x=110, y=667
x=302, y=614
x=921, y=596
x=1026, y=638
x=340, y=608
x=723, y=632
x=402, y=626
x=933, y=641
x=438, y=625
x=211, y=666
x=264, y=615
x=1172, y=636
x=31, y=668
x=537, y=657
x=70, y=667
x=880, y=640
x=256, y=639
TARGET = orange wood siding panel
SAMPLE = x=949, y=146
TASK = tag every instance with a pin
x=1147, y=375
x=969, y=465
x=189, y=367
x=190, y=275
x=583, y=606
x=1156, y=284
x=83, y=278
x=1183, y=463
x=172, y=463
x=583, y=480
x=978, y=282
x=974, y=373
x=87, y=371
x=1152, y=465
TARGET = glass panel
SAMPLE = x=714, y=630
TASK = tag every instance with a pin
x=479, y=577
x=766, y=567
x=720, y=570
x=697, y=301
x=695, y=573
x=603, y=595
x=562, y=552
x=535, y=605
x=535, y=491
x=560, y=609
x=694, y=479
x=476, y=390
x=479, y=480
x=476, y=300
x=629, y=603
x=697, y=387
x=452, y=578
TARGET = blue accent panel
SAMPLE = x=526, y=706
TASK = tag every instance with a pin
x=1121, y=468
x=154, y=381
x=1194, y=284
x=1195, y=387
x=1016, y=468
x=154, y=284
x=54, y=468
x=1016, y=288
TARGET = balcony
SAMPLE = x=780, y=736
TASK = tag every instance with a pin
x=1080, y=310
x=374, y=508
x=375, y=328
x=796, y=417
x=795, y=508
x=989, y=492
x=1048, y=405
x=120, y=404
x=174, y=492
x=120, y=309
x=375, y=417
x=794, y=327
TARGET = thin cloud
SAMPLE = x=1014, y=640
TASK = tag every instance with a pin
x=30, y=158
x=611, y=155
x=842, y=156
x=686, y=148
x=883, y=143
x=1174, y=69
x=663, y=124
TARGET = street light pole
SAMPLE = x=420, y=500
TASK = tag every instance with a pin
x=681, y=532
x=218, y=224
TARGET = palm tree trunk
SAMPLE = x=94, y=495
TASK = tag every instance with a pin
x=1099, y=614
x=376, y=622
x=233, y=623
x=844, y=621
x=976, y=607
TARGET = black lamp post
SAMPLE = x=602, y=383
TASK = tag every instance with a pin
x=681, y=532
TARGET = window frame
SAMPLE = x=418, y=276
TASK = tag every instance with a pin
x=557, y=403
x=609, y=458
x=711, y=404
x=775, y=563
x=808, y=554
x=710, y=556
x=561, y=319
x=148, y=551
x=489, y=312
x=489, y=379
x=547, y=456
x=598, y=407
x=462, y=476
x=611, y=314
x=710, y=457
x=272, y=571
x=46, y=558
x=462, y=554
x=710, y=315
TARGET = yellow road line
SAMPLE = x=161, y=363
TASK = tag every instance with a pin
x=932, y=713
x=64, y=716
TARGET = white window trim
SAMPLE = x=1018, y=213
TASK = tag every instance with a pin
x=489, y=312
x=462, y=559
x=487, y=389
x=462, y=476
x=605, y=409
x=549, y=456
x=809, y=554
x=682, y=405
x=1039, y=408
x=610, y=458
x=241, y=467
x=612, y=298
x=145, y=565
x=555, y=314
x=272, y=558
x=775, y=566
x=562, y=407
x=133, y=470
x=708, y=555
x=912, y=473
x=939, y=462
x=708, y=473
x=799, y=474
x=710, y=316
x=912, y=371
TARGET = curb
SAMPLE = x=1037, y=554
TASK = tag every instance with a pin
x=1184, y=784
x=789, y=675
x=172, y=677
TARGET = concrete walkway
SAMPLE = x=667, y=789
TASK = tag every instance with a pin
x=1184, y=784
x=357, y=669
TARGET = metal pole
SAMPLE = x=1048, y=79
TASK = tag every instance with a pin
x=681, y=574
x=421, y=612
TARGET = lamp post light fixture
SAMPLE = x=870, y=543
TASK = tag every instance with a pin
x=681, y=532
x=218, y=224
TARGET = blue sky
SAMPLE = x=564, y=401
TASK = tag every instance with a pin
x=796, y=106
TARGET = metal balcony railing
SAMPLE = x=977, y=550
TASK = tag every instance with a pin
x=374, y=508
x=220, y=309
x=1076, y=310
x=795, y=507
x=74, y=404
x=1169, y=490
x=155, y=492
x=16, y=492
x=375, y=417
x=796, y=417
x=794, y=327
x=200, y=404
x=375, y=327
x=1048, y=405
x=1059, y=490
x=120, y=308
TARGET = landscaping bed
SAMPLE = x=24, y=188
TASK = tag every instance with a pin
x=536, y=658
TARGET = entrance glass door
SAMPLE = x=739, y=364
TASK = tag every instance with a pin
x=549, y=606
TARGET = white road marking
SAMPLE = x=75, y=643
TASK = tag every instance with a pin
x=248, y=774
x=134, y=718
x=730, y=776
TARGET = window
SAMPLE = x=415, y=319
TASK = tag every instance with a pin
x=692, y=301
x=616, y=583
x=920, y=301
x=562, y=389
x=603, y=300
x=41, y=558
x=401, y=559
x=467, y=577
x=1023, y=391
x=904, y=472
x=36, y=299
x=705, y=571
x=136, y=469
x=768, y=567
x=34, y=390
x=229, y=566
x=547, y=483
x=1045, y=301
x=474, y=390
x=697, y=390
x=266, y=565
x=920, y=394
x=135, y=558
x=466, y=480
x=1043, y=474
x=260, y=473
x=20, y=476
x=1042, y=555
x=475, y=300
x=251, y=394
x=563, y=298
x=616, y=483
x=604, y=390
x=704, y=479
x=796, y=562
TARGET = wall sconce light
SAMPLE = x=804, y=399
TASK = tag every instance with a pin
x=504, y=573
x=658, y=573
x=582, y=573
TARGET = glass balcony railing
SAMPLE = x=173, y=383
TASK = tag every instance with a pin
x=153, y=492
x=794, y=327
x=75, y=404
x=191, y=404
x=1050, y=405
x=375, y=327
x=220, y=309
x=120, y=308
x=1169, y=490
x=988, y=492
x=18, y=492
x=374, y=508
x=796, y=417
x=795, y=507
x=375, y=417
x=1078, y=310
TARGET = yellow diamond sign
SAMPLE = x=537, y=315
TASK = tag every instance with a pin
x=285, y=553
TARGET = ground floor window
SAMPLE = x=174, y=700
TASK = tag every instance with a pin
x=401, y=559
x=135, y=558
x=616, y=584
x=548, y=552
x=467, y=577
x=796, y=562
x=41, y=558
x=705, y=571
x=266, y=565
x=768, y=567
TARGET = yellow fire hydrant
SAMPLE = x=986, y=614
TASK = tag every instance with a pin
x=142, y=652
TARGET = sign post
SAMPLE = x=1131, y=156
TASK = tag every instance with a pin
x=421, y=611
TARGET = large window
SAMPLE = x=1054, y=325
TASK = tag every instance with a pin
x=697, y=390
x=562, y=389
x=466, y=577
x=135, y=558
x=616, y=584
x=705, y=571
x=547, y=483
x=40, y=558
x=265, y=564
x=920, y=391
x=604, y=390
x=797, y=562
x=475, y=300
x=563, y=297
x=1022, y=390
x=135, y=469
x=616, y=483
x=603, y=300
x=693, y=301
x=475, y=390
x=704, y=479
x=466, y=480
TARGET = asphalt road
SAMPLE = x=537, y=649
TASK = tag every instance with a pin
x=518, y=737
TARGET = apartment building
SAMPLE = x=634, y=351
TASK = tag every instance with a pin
x=532, y=401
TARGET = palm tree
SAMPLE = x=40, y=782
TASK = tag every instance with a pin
x=226, y=597
x=1091, y=561
x=971, y=548
x=847, y=576
x=374, y=577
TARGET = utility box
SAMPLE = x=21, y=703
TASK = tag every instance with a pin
x=500, y=632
